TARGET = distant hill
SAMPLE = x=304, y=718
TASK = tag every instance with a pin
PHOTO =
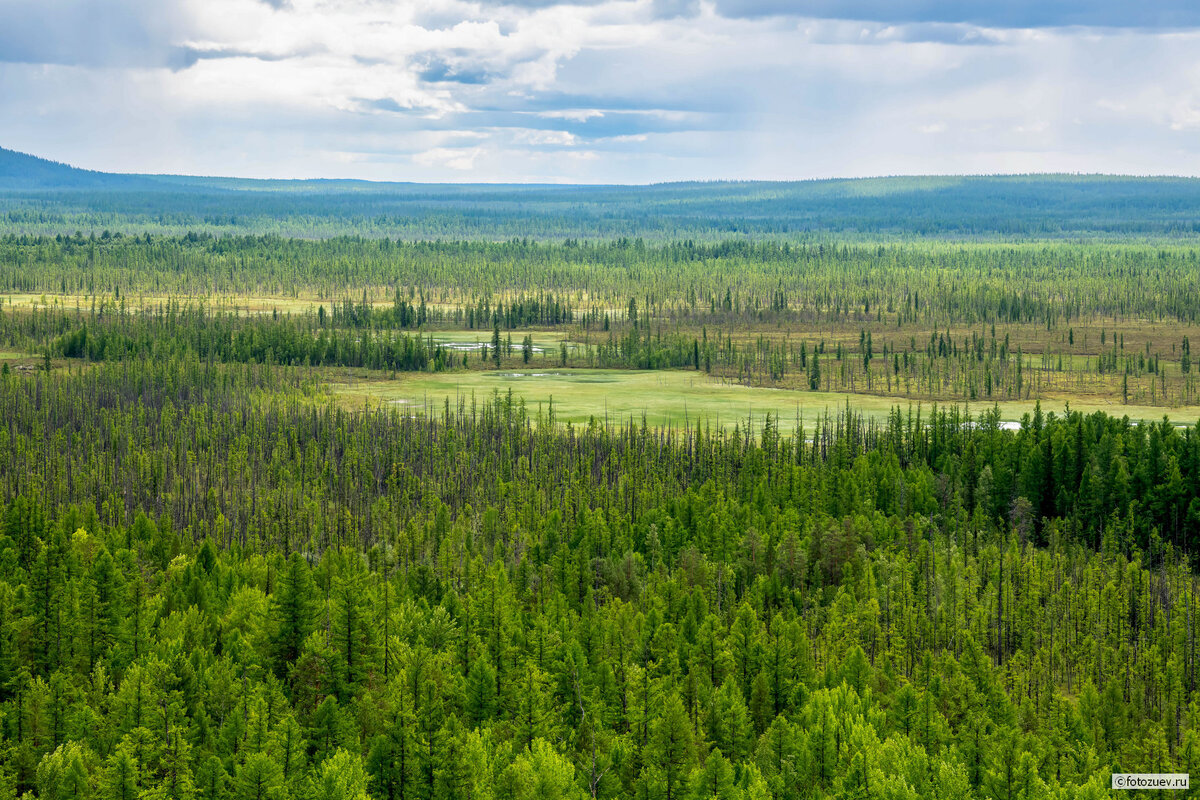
x=45, y=197
x=23, y=171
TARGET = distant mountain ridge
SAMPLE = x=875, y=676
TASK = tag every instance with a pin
x=30, y=171
x=24, y=171
x=39, y=196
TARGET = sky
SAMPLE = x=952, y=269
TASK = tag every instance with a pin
x=603, y=91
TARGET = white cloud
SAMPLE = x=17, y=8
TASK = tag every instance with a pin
x=573, y=114
x=1185, y=117
x=562, y=138
x=633, y=90
x=462, y=158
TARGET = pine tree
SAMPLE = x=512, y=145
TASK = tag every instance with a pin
x=672, y=750
x=481, y=691
x=292, y=612
x=329, y=730
x=63, y=774
x=259, y=777
x=288, y=748
x=352, y=627
x=728, y=722
x=340, y=777
x=394, y=759
x=714, y=780
x=120, y=778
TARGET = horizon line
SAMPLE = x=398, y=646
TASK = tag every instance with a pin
x=649, y=184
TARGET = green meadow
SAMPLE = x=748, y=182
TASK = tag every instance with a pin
x=668, y=397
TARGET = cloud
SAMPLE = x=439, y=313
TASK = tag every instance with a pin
x=868, y=32
x=438, y=70
x=666, y=9
x=456, y=158
x=556, y=138
x=573, y=114
x=118, y=33
x=600, y=91
x=990, y=13
x=1185, y=117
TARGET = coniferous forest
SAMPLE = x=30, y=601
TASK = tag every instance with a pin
x=973, y=576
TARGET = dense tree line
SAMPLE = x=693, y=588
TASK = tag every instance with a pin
x=1092, y=473
x=111, y=333
x=39, y=196
x=215, y=584
x=903, y=283
x=980, y=366
x=914, y=320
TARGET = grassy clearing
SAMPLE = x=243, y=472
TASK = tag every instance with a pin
x=243, y=303
x=665, y=397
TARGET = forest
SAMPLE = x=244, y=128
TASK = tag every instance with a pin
x=212, y=587
x=921, y=320
x=237, y=560
x=42, y=197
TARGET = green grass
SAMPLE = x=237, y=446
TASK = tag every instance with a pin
x=664, y=397
x=245, y=303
